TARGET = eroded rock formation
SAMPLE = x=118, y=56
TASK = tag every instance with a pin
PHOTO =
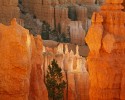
x=73, y=68
x=37, y=89
x=77, y=33
x=106, y=40
x=60, y=14
x=21, y=61
x=9, y=10
x=54, y=13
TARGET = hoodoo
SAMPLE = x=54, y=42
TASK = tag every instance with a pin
x=20, y=67
x=106, y=62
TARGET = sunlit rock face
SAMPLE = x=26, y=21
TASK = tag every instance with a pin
x=15, y=64
x=37, y=89
x=20, y=68
x=106, y=62
x=74, y=71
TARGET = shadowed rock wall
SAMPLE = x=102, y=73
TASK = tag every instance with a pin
x=9, y=10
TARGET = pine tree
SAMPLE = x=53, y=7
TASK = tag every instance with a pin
x=54, y=83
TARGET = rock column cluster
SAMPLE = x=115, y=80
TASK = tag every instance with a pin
x=106, y=62
x=77, y=33
x=59, y=15
x=74, y=70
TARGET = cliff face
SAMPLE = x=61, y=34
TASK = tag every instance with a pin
x=37, y=89
x=77, y=33
x=15, y=65
x=9, y=10
x=60, y=14
x=106, y=40
x=56, y=13
x=18, y=68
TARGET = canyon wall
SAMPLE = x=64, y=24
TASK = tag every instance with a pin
x=106, y=40
x=77, y=33
x=73, y=68
x=57, y=2
x=60, y=14
x=21, y=61
x=37, y=90
x=56, y=14
x=9, y=10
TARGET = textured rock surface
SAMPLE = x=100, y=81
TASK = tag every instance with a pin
x=20, y=66
x=106, y=59
x=9, y=10
x=75, y=67
x=59, y=15
x=124, y=4
x=15, y=65
x=77, y=33
x=101, y=2
x=37, y=90
x=83, y=50
x=88, y=1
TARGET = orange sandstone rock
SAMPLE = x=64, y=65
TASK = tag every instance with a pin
x=94, y=35
x=37, y=90
x=75, y=67
x=124, y=4
x=21, y=76
x=106, y=40
x=15, y=64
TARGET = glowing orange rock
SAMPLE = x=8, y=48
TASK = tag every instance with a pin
x=37, y=90
x=15, y=59
x=75, y=67
x=108, y=42
x=106, y=58
x=94, y=34
x=21, y=63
